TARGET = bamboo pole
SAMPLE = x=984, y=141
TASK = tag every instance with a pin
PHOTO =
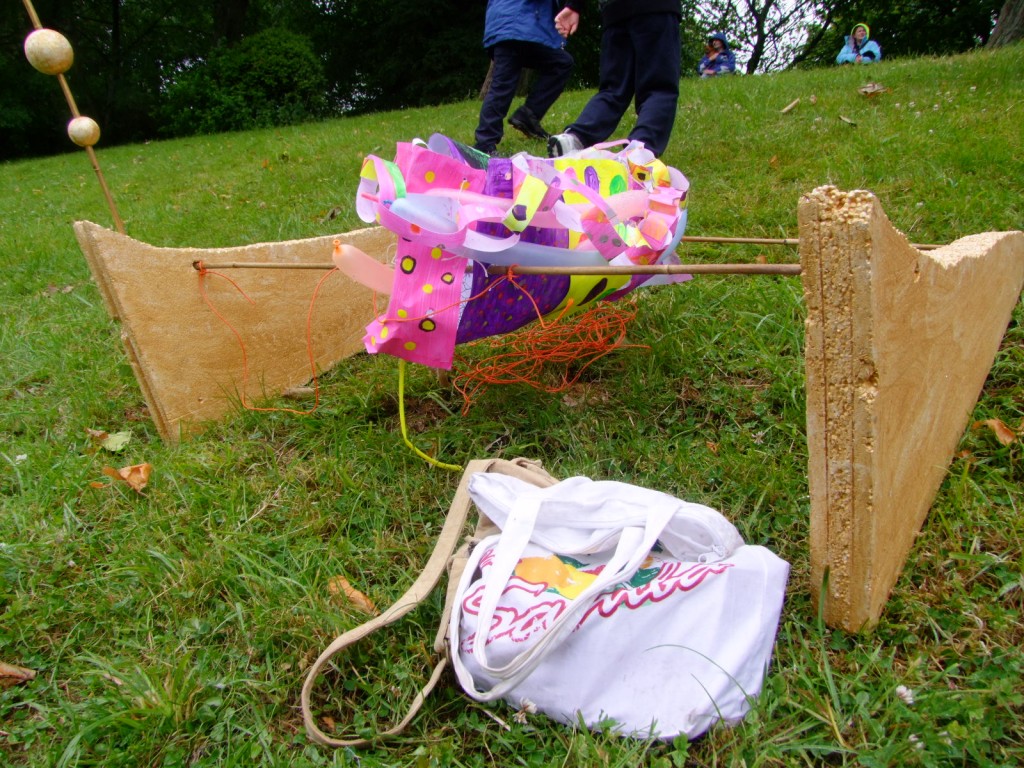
x=118, y=223
x=639, y=269
x=742, y=240
x=791, y=241
x=653, y=269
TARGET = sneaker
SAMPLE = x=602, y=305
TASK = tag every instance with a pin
x=524, y=121
x=563, y=144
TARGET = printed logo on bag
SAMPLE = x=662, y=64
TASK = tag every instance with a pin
x=523, y=611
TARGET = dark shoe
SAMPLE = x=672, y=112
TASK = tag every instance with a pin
x=563, y=144
x=524, y=121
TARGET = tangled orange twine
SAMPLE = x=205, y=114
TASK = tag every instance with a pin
x=560, y=349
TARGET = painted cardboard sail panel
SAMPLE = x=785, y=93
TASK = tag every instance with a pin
x=188, y=361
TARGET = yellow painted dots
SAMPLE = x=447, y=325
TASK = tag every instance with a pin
x=447, y=278
x=410, y=346
x=428, y=288
x=430, y=176
x=436, y=252
x=427, y=325
x=408, y=264
x=383, y=333
x=403, y=314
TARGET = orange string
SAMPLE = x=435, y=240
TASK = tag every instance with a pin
x=203, y=272
x=540, y=352
x=528, y=358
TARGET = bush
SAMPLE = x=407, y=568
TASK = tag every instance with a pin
x=270, y=78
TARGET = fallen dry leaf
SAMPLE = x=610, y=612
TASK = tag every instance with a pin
x=789, y=106
x=110, y=441
x=1003, y=433
x=870, y=89
x=847, y=120
x=713, y=447
x=332, y=214
x=339, y=587
x=116, y=441
x=115, y=680
x=136, y=475
x=11, y=675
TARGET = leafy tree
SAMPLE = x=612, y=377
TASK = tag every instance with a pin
x=28, y=99
x=271, y=78
x=402, y=53
x=907, y=27
x=766, y=34
x=123, y=50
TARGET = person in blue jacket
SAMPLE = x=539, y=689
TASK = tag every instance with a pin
x=718, y=60
x=859, y=48
x=518, y=35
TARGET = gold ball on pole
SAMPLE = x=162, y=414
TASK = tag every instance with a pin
x=84, y=131
x=49, y=52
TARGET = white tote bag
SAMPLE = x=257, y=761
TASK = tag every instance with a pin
x=616, y=604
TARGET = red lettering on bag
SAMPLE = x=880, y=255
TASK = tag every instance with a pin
x=519, y=624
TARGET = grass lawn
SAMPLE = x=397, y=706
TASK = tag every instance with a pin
x=173, y=627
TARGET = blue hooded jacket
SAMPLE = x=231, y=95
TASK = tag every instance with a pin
x=868, y=50
x=724, y=63
x=531, y=21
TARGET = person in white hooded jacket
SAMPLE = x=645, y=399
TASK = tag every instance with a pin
x=859, y=48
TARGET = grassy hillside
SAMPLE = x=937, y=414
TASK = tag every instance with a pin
x=172, y=627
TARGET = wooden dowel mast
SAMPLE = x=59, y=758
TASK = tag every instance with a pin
x=33, y=16
x=89, y=151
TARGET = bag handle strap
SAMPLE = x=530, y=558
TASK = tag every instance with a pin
x=451, y=532
x=634, y=545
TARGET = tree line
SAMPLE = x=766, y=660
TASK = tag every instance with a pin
x=148, y=69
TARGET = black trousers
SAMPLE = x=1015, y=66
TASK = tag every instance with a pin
x=552, y=67
x=639, y=62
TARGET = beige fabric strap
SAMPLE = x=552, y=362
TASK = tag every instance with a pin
x=451, y=532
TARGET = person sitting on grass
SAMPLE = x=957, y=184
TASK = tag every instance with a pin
x=859, y=48
x=718, y=59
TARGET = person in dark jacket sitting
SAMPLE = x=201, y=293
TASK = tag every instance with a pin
x=521, y=34
x=718, y=59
